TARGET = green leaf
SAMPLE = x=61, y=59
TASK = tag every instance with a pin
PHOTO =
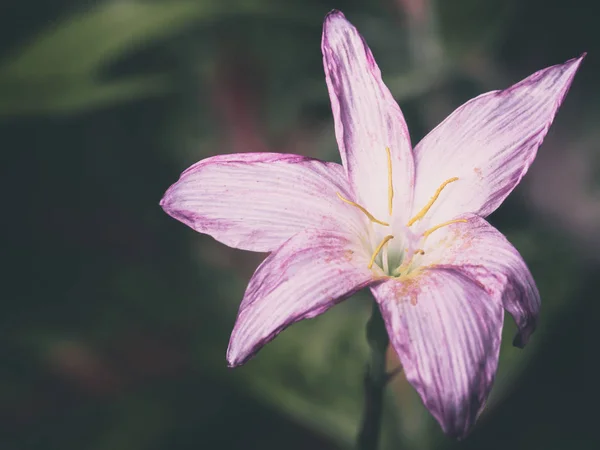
x=59, y=71
x=85, y=42
x=61, y=96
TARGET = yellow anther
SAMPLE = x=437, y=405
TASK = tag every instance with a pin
x=437, y=227
x=378, y=249
x=428, y=206
x=390, y=184
x=419, y=252
x=367, y=213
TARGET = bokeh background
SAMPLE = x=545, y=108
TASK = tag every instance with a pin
x=115, y=318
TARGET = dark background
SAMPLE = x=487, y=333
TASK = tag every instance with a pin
x=115, y=318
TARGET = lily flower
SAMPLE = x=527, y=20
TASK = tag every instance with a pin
x=406, y=222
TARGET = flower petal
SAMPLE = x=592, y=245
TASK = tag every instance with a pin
x=489, y=143
x=483, y=254
x=256, y=201
x=446, y=330
x=302, y=279
x=367, y=120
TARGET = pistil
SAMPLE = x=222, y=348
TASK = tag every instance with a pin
x=404, y=268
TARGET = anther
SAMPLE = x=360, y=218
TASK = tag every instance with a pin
x=378, y=249
x=437, y=227
x=367, y=213
x=429, y=204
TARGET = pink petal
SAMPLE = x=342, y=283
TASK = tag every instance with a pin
x=257, y=201
x=446, y=330
x=367, y=120
x=302, y=279
x=489, y=143
x=483, y=254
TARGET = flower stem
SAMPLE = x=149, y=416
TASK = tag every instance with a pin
x=374, y=383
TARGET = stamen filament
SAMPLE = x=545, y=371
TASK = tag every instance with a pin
x=378, y=249
x=429, y=204
x=390, y=184
x=437, y=227
x=367, y=213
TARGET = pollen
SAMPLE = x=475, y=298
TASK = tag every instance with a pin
x=378, y=249
x=437, y=227
x=429, y=204
x=363, y=210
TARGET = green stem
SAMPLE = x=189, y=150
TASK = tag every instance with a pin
x=374, y=382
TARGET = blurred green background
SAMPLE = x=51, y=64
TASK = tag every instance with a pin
x=115, y=318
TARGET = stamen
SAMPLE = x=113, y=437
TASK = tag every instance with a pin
x=428, y=206
x=390, y=185
x=419, y=252
x=378, y=249
x=367, y=213
x=437, y=227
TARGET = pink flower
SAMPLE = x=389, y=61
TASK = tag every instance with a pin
x=407, y=223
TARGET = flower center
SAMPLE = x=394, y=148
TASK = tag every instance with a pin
x=406, y=260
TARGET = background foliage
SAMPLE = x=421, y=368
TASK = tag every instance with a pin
x=115, y=318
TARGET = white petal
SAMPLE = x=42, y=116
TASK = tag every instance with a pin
x=367, y=121
x=257, y=201
x=305, y=277
x=446, y=330
x=482, y=253
x=488, y=143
